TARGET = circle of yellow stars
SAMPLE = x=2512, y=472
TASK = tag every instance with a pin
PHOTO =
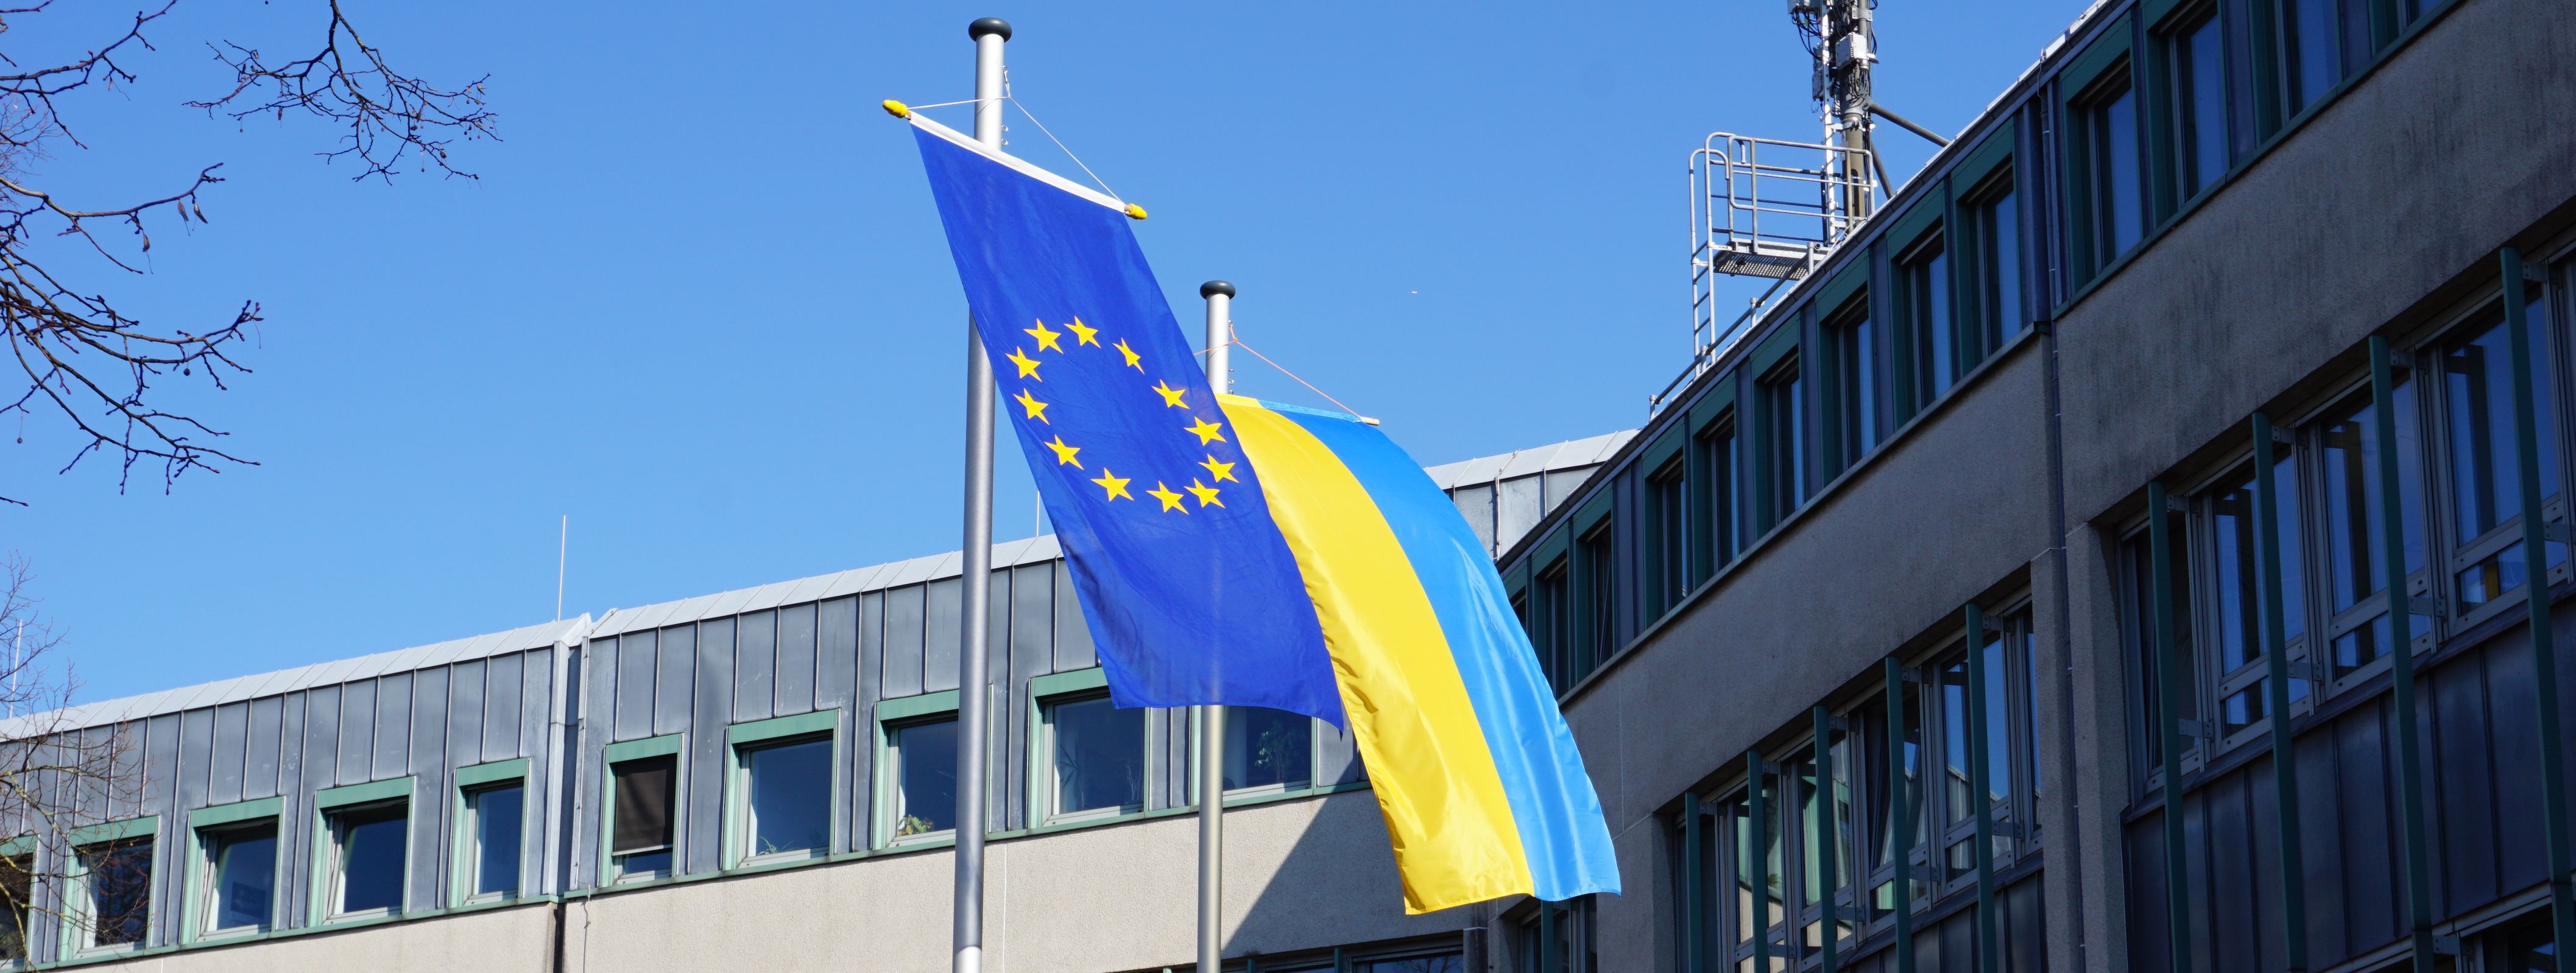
x=1204, y=490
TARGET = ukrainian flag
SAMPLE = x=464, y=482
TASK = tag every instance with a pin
x=1483, y=791
x=1234, y=552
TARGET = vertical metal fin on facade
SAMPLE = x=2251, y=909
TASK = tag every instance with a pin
x=1550, y=953
x=2401, y=659
x=2285, y=767
x=1694, y=908
x=2536, y=594
x=1757, y=796
x=1825, y=864
x=2169, y=726
x=1981, y=788
x=1900, y=816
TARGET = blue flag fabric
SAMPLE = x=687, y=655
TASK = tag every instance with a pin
x=1192, y=594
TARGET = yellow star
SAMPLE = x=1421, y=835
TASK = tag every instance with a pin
x=1113, y=483
x=1171, y=501
x=1028, y=365
x=1171, y=396
x=1221, y=471
x=1082, y=335
x=1206, y=494
x=1208, y=432
x=1046, y=338
x=1037, y=409
x=1064, y=453
x=1132, y=357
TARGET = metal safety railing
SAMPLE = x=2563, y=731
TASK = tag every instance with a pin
x=1764, y=208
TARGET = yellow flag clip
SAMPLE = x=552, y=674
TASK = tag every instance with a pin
x=897, y=109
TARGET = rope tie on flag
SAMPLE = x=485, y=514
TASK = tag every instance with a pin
x=1236, y=340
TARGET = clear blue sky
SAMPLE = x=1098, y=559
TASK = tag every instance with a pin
x=699, y=300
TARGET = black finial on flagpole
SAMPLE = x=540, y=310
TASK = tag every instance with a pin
x=1214, y=288
x=989, y=25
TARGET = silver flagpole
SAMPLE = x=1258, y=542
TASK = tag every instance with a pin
x=975, y=571
x=1220, y=300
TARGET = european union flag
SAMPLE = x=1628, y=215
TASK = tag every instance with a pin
x=1192, y=594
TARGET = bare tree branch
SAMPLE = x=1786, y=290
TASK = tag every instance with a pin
x=84, y=360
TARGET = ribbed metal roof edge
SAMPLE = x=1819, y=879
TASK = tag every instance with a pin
x=1549, y=458
x=281, y=681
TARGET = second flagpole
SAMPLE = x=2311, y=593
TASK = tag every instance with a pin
x=1220, y=334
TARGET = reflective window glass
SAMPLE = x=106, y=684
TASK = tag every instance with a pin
x=788, y=799
x=1099, y=756
x=495, y=820
x=925, y=773
x=368, y=844
x=243, y=877
x=1268, y=748
x=116, y=882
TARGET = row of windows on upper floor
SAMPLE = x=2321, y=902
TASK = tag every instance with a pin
x=1746, y=466
x=778, y=805
x=2225, y=78
x=2453, y=411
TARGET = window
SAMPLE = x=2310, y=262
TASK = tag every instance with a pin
x=17, y=886
x=2351, y=523
x=1667, y=538
x=2234, y=623
x=367, y=858
x=494, y=820
x=1097, y=752
x=2197, y=69
x=1557, y=937
x=1989, y=268
x=2147, y=726
x=1553, y=635
x=2484, y=465
x=241, y=877
x=1594, y=562
x=112, y=897
x=1848, y=342
x=923, y=765
x=787, y=798
x=1266, y=749
x=1719, y=526
x=1784, y=439
x=1923, y=323
x=1439, y=962
x=2107, y=129
x=1885, y=845
x=643, y=791
x=2309, y=61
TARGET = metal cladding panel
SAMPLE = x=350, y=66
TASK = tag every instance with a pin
x=939, y=636
x=321, y=769
x=429, y=810
x=792, y=690
x=537, y=715
x=1561, y=484
x=465, y=711
x=597, y=701
x=260, y=748
x=633, y=702
x=225, y=766
x=503, y=675
x=712, y=712
x=836, y=686
x=862, y=714
x=1337, y=755
x=755, y=657
x=357, y=731
x=676, y=662
x=1476, y=503
x=393, y=726
x=1073, y=646
x=196, y=744
x=2515, y=735
x=1518, y=505
x=160, y=765
x=905, y=643
x=549, y=733
x=290, y=777
x=997, y=629
x=1032, y=628
x=2363, y=792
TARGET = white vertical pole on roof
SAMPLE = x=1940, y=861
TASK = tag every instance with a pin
x=975, y=572
x=1220, y=334
x=563, y=543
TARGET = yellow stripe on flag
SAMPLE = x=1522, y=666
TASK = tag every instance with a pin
x=1453, y=832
